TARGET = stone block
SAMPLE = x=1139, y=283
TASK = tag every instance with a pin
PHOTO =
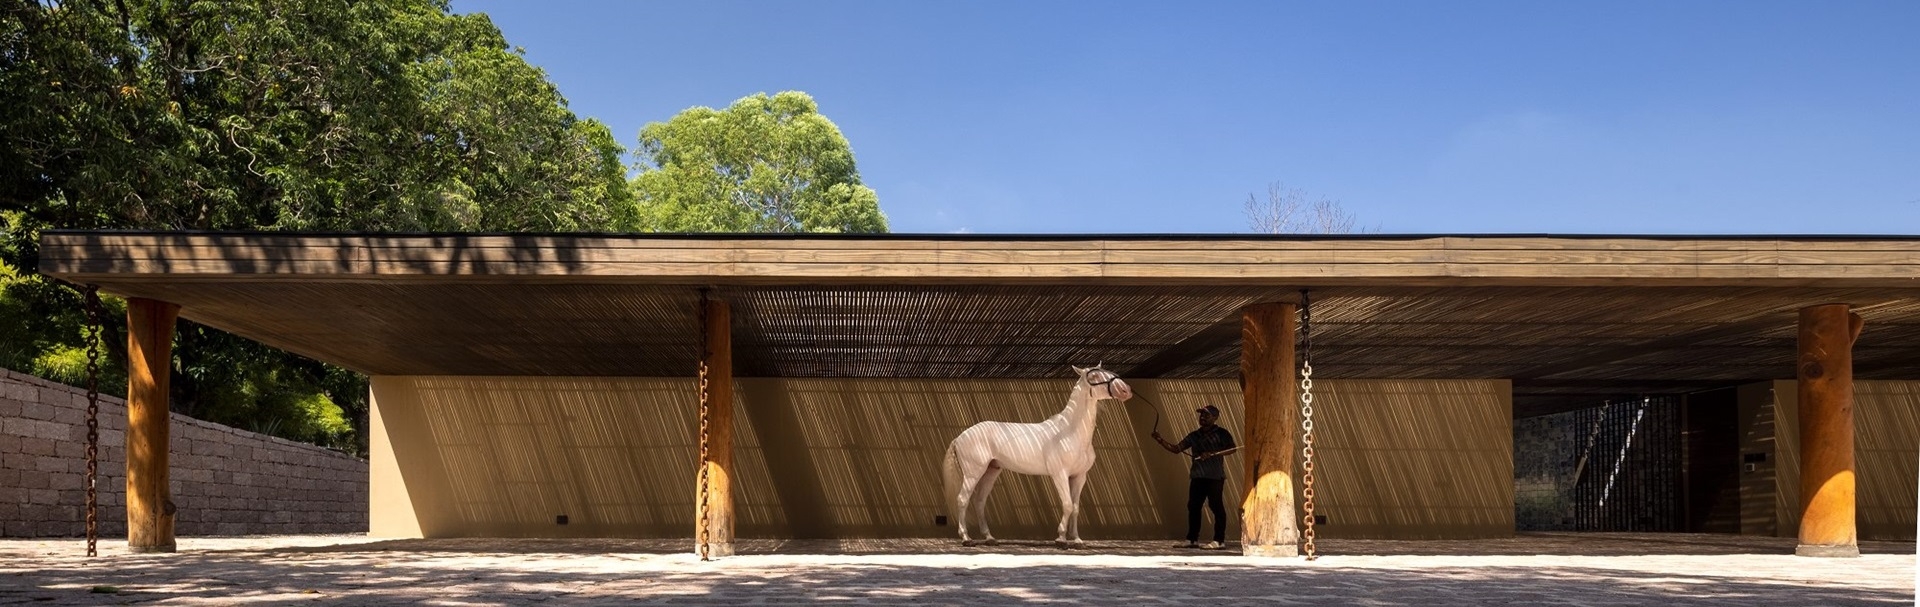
x=71, y=449
x=11, y=407
x=49, y=464
x=43, y=496
x=70, y=417
x=33, y=480
x=37, y=411
x=31, y=445
x=20, y=391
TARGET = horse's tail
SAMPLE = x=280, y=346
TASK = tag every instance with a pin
x=950, y=481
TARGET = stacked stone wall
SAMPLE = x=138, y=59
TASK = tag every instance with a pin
x=225, y=481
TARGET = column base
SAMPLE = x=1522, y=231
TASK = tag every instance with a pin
x=1829, y=552
x=150, y=549
x=716, y=549
x=1282, y=550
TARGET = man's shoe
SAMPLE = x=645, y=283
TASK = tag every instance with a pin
x=1214, y=546
x=1187, y=545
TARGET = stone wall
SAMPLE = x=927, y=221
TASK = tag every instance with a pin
x=225, y=481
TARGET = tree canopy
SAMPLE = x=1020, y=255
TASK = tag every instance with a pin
x=325, y=115
x=764, y=164
x=271, y=115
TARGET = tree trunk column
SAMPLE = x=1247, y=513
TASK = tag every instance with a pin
x=1825, y=371
x=149, y=367
x=714, y=503
x=1269, y=525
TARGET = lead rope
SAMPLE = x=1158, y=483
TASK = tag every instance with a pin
x=1306, y=419
x=705, y=550
x=92, y=295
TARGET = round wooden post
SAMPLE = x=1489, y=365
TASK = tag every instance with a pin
x=714, y=503
x=1825, y=373
x=1269, y=525
x=149, y=367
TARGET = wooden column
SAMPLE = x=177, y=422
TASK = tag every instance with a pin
x=1825, y=371
x=1269, y=525
x=149, y=367
x=714, y=505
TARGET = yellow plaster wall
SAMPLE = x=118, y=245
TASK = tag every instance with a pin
x=502, y=456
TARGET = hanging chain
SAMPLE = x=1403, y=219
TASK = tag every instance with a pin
x=1306, y=420
x=92, y=295
x=704, y=548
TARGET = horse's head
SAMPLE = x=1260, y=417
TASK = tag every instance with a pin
x=1103, y=384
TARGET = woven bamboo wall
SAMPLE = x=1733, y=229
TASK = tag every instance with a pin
x=467, y=456
x=1886, y=452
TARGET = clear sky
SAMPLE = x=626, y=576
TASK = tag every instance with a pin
x=1602, y=117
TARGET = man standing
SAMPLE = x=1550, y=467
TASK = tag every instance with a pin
x=1208, y=444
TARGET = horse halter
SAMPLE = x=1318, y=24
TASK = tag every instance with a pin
x=1110, y=378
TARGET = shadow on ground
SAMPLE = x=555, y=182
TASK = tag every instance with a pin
x=1536, y=569
x=1534, y=543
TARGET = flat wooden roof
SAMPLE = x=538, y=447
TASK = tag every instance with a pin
x=1573, y=316
x=1064, y=260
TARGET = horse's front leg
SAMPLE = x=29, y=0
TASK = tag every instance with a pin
x=1076, y=483
x=1064, y=487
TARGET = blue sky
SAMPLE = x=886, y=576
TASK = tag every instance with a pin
x=1607, y=117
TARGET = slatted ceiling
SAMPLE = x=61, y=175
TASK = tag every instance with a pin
x=1566, y=310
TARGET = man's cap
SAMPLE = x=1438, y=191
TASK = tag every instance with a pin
x=1208, y=409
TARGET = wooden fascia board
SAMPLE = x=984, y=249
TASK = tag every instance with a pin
x=1402, y=261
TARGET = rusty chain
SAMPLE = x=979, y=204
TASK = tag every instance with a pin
x=1306, y=421
x=704, y=547
x=92, y=295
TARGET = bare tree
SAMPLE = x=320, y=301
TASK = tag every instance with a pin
x=1291, y=211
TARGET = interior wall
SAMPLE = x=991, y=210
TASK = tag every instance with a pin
x=1886, y=444
x=503, y=456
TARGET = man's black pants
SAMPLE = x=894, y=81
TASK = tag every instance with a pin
x=1206, y=490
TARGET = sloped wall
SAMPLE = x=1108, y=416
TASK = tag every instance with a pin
x=225, y=481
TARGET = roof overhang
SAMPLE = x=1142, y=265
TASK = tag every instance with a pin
x=1561, y=315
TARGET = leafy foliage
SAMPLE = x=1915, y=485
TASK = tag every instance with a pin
x=764, y=164
x=271, y=115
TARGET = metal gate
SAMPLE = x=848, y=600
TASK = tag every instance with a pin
x=1628, y=473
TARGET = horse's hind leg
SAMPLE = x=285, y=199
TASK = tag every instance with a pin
x=981, y=491
x=1065, y=489
x=967, y=482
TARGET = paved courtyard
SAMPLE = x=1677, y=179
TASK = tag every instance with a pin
x=1535, y=569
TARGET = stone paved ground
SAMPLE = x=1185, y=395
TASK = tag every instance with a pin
x=1535, y=569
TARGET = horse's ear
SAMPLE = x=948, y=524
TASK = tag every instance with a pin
x=1079, y=371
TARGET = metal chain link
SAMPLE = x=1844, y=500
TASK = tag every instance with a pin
x=93, y=419
x=1306, y=420
x=704, y=547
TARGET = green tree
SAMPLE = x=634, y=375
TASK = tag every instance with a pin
x=394, y=115
x=764, y=164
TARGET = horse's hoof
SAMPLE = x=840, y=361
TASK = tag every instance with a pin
x=969, y=543
x=1077, y=544
x=1062, y=544
x=990, y=542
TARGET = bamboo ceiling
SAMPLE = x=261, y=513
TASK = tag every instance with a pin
x=1568, y=319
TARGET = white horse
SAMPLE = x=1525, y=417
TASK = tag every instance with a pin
x=1060, y=448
